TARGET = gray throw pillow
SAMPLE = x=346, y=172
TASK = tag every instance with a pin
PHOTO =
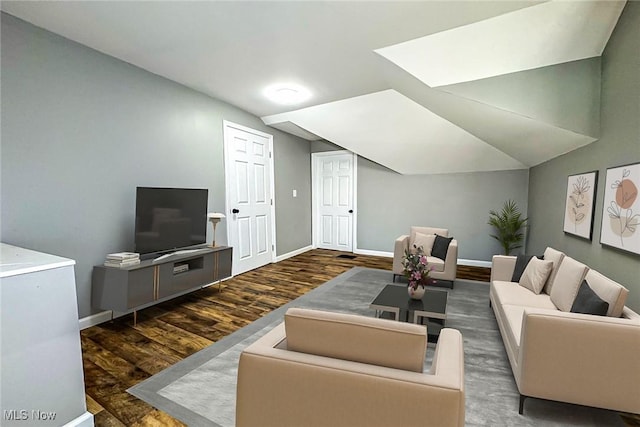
x=441, y=246
x=588, y=302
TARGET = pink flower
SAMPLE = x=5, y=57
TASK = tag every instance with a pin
x=423, y=260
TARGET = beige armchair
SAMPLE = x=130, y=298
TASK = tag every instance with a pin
x=330, y=369
x=444, y=270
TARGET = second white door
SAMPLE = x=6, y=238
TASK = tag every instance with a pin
x=249, y=187
x=334, y=200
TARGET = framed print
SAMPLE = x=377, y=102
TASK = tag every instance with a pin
x=580, y=204
x=621, y=209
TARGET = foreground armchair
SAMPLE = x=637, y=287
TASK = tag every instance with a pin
x=442, y=255
x=330, y=369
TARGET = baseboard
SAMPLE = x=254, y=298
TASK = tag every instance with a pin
x=474, y=263
x=467, y=262
x=373, y=253
x=294, y=253
x=95, y=319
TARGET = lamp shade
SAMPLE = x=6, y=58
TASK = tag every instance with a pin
x=215, y=215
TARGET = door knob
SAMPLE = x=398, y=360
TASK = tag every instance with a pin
x=235, y=210
x=350, y=210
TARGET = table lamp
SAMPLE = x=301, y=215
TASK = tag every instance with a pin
x=215, y=218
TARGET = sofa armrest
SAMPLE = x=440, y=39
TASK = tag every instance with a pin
x=400, y=246
x=450, y=262
x=580, y=358
x=286, y=388
x=502, y=267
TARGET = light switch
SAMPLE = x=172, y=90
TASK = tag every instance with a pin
x=295, y=193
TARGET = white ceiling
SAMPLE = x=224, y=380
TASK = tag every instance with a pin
x=419, y=87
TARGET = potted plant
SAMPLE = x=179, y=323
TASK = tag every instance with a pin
x=416, y=270
x=509, y=226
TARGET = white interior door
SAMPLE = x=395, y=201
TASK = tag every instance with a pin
x=249, y=188
x=334, y=200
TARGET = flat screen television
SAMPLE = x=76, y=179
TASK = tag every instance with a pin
x=168, y=219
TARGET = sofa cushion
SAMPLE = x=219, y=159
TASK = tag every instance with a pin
x=361, y=339
x=511, y=293
x=422, y=240
x=551, y=254
x=568, y=279
x=436, y=263
x=441, y=246
x=588, y=302
x=521, y=263
x=610, y=291
x=535, y=274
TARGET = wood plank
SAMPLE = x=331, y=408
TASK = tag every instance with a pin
x=179, y=340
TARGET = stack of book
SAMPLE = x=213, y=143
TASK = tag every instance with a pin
x=122, y=259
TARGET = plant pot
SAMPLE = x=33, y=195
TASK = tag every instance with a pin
x=416, y=293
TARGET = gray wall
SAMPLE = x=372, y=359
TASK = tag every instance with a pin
x=390, y=203
x=619, y=144
x=80, y=130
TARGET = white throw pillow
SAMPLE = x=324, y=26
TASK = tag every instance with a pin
x=567, y=283
x=556, y=257
x=535, y=274
x=424, y=240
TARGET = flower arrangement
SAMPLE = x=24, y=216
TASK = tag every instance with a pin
x=416, y=268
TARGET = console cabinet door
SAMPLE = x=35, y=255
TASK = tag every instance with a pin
x=141, y=288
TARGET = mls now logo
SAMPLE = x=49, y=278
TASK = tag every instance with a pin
x=23, y=415
x=15, y=415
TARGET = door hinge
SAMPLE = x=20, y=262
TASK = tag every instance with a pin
x=271, y=202
x=269, y=154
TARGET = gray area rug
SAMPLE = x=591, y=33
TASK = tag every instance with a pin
x=200, y=390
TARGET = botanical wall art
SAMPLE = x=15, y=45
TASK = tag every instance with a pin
x=621, y=211
x=580, y=203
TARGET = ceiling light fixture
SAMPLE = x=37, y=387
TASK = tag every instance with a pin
x=287, y=93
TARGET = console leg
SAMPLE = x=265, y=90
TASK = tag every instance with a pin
x=394, y=278
x=521, y=409
x=135, y=317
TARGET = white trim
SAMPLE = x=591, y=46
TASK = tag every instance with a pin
x=84, y=420
x=466, y=262
x=373, y=253
x=226, y=124
x=314, y=193
x=294, y=253
x=94, y=319
x=474, y=263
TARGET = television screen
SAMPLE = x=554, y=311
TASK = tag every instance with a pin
x=170, y=218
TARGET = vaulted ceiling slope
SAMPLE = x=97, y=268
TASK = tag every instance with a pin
x=419, y=87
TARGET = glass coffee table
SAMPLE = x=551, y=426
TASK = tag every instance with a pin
x=394, y=302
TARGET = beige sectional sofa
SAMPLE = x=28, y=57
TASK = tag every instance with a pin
x=330, y=369
x=556, y=354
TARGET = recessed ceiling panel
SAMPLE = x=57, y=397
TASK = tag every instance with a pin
x=389, y=128
x=537, y=36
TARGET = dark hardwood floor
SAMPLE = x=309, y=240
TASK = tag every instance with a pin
x=119, y=354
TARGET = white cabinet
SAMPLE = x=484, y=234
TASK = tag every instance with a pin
x=42, y=382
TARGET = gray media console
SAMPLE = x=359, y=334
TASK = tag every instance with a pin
x=136, y=287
